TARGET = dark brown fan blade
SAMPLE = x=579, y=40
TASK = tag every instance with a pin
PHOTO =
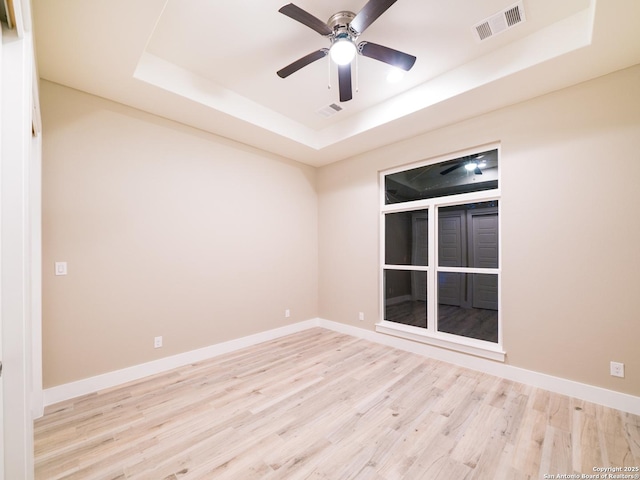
x=451, y=169
x=298, y=14
x=303, y=62
x=387, y=55
x=344, y=82
x=370, y=13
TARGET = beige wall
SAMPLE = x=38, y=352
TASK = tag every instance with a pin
x=167, y=231
x=570, y=228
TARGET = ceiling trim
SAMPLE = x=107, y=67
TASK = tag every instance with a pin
x=179, y=81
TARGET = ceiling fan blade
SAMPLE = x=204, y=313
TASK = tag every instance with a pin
x=344, y=82
x=451, y=169
x=388, y=55
x=370, y=13
x=300, y=15
x=302, y=62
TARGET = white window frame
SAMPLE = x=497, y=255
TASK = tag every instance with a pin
x=430, y=335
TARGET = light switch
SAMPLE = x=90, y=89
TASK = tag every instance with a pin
x=61, y=268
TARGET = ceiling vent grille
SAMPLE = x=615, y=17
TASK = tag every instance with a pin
x=499, y=22
x=512, y=16
x=329, y=110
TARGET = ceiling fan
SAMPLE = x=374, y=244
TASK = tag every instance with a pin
x=343, y=30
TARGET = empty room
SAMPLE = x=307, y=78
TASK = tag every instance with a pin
x=351, y=239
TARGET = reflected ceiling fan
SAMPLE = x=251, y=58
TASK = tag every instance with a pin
x=472, y=163
x=343, y=30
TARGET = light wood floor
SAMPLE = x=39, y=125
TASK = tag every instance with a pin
x=319, y=404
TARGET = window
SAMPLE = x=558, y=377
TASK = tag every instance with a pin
x=440, y=262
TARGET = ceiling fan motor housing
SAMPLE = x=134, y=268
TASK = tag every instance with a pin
x=340, y=23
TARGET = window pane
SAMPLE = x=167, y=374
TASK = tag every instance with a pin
x=468, y=305
x=472, y=173
x=406, y=238
x=468, y=235
x=405, y=299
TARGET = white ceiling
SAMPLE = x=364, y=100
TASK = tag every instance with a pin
x=212, y=64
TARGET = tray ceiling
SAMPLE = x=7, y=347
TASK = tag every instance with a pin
x=212, y=65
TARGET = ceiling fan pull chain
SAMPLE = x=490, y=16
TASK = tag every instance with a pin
x=357, y=75
x=329, y=75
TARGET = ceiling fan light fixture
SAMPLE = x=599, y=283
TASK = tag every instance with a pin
x=471, y=166
x=342, y=50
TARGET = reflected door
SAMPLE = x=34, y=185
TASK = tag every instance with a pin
x=484, y=254
x=419, y=254
x=451, y=254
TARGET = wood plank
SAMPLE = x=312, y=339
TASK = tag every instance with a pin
x=559, y=412
x=587, y=452
x=615, y=446
x=527, y=453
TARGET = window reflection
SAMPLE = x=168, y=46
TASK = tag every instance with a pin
x=468, y=305
x=406, y=238
x=405, y=298
x=468, y=235
x=471, y=173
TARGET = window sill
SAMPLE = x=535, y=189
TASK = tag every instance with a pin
x=469, y=346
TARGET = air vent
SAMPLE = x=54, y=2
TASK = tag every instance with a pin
x=329, y=110
x=512, y=16
x=483, y=30
x=499, y=22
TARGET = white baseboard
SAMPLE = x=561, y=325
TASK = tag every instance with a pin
x=85, y=386
x=590, y=393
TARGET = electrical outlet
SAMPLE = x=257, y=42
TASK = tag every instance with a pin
x=617, y=369
x=361, y=316
x=157, y=342
x=287, y=313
